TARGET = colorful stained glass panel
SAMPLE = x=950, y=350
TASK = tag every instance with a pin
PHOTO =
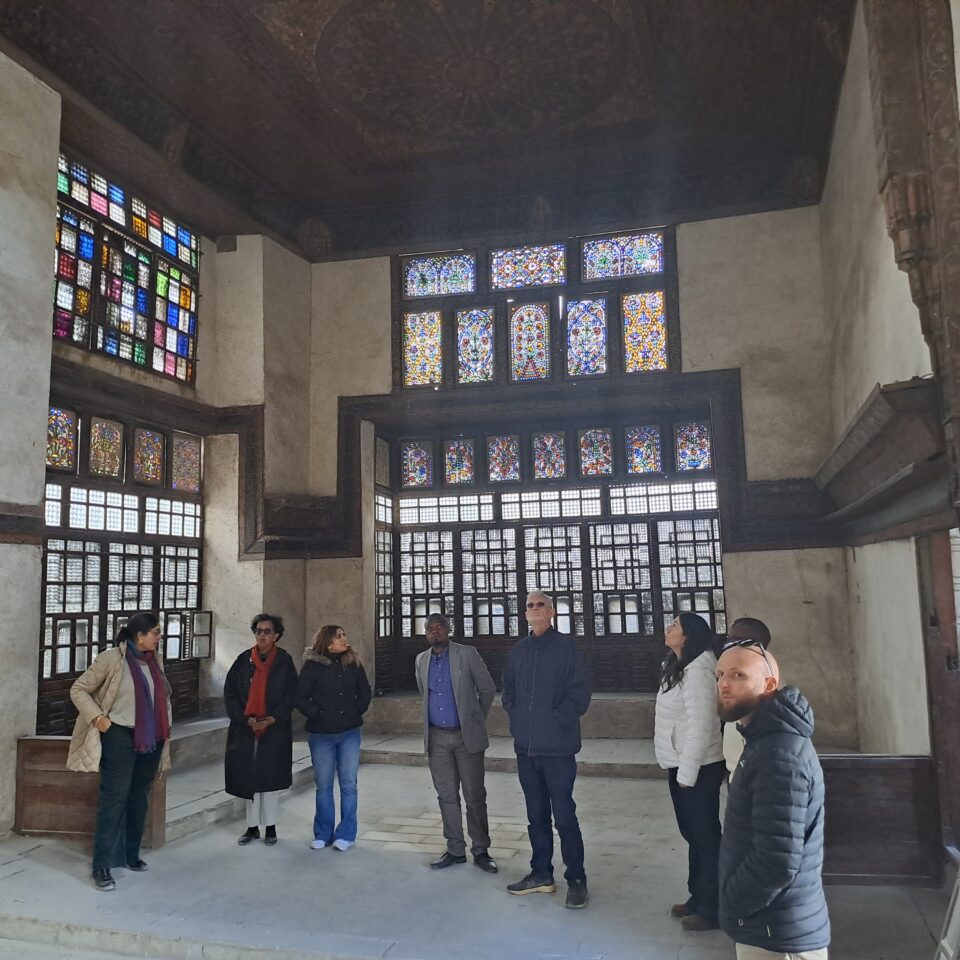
x=644, y=332
x=693, y=446
x=629, y=255
x=475, y=345
x=185, y=463
x=586, y=337
x=458, y=461
x=503, y=458
x=549, y=456
x=528, y=267
x=74, y=276
x=530, y=341
x=596, y=453
x=416, y=465
x=439, y=275
x=106, y=448
x=422, y=348
x=61, y=439
x=148, y=456
x=643, y=450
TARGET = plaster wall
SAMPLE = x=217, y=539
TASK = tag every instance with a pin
x=29, y=140
x=286, y=369
x=887, y=637
x=750, y=297
x=875, y=326
x=350, y=352
x=802, y=597
x=232, y=588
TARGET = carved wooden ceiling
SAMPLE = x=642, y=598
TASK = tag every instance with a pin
x=359, y=126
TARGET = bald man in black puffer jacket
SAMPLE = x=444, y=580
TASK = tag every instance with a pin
x=771, y=855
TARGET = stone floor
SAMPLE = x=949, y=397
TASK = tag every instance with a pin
x=205, y=897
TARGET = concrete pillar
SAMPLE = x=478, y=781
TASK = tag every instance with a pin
x=29, y=142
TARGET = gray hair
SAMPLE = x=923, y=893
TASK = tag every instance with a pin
x=546, y=596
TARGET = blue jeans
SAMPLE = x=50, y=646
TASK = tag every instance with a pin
x=335, y=753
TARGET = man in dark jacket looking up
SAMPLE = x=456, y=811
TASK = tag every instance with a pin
x=545, y=692
x=771, y=854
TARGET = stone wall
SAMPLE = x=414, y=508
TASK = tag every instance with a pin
x=29, y=141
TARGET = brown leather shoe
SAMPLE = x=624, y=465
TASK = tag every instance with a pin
x=698, y=924
x=679, y=910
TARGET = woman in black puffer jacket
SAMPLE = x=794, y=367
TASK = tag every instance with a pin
x=333, y=694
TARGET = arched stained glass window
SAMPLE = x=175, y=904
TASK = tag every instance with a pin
x=549, y=456
x=643, y=450
x=458, y=461
x=586, y=337
x=693, y=446
x=422, y=348
x=596, y=453
x=185, y=465
x=416, y=464
x=644, y=332
x=106, y=447
x=439, y=275
x=530, y=341
x=475, y=345
x=147, y=456
x=528, y=267
x=61, y=439
x=629, y=255
x=503, y=458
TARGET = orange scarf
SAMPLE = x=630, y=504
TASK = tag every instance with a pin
x=257, y=698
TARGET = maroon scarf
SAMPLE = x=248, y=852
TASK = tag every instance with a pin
x=257, y=698
x=152, y=726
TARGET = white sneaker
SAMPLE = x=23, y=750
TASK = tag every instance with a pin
x=342, y=844
x=317, y=844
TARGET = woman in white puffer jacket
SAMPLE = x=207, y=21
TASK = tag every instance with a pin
x=689, y=745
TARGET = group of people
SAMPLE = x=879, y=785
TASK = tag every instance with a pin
x=721, y=717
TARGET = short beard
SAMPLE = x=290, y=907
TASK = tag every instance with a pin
x=736, y=711
x=439, y=645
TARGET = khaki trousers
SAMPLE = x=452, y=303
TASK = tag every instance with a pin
x=758, y=953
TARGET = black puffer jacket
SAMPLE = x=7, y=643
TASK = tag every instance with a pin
x=332, y=697
x=545, y=693
x=771, y=856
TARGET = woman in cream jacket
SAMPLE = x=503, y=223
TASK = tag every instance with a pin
x=689, y=745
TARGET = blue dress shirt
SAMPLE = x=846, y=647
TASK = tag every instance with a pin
x=441, y=705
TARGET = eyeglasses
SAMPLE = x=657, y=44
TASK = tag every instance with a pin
x=536, y=603
x=748, y=643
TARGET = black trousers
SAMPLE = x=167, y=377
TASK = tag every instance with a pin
x=125, y=781
x=547, y=784
x=698, y=817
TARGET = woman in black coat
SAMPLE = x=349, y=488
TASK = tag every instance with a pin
x=259, y=693
x=333, y=694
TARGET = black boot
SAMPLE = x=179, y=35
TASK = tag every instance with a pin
x=270, y=837
x=253, y=833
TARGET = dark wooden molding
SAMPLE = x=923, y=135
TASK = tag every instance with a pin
x=21, y=523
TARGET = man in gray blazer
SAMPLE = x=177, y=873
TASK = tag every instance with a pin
x=457, y=692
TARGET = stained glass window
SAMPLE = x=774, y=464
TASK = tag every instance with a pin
x=76, y=246
x=528, y=267
x=596, y=453
x=643, y=450
x=61, y=439
x=435, y=276
x=693, y=446
x=475, y=345
x=458, y=460
x=503, y=458
x=629, y=255
x=125, y=300
x=147, y=456
x=416, y=465
x=106, y=447
x=422, y=348
x=111, y=202
x=644, y=332
x=586, y=337
x=186, y=463
x=549, y=456
x=175, y=321
x=530, y=341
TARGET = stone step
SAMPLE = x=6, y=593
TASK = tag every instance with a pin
x=629, y=759
x=195, y=742
x=616, y=716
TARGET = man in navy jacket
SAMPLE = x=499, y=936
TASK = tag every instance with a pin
x=545, y=692
x=771, y=854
